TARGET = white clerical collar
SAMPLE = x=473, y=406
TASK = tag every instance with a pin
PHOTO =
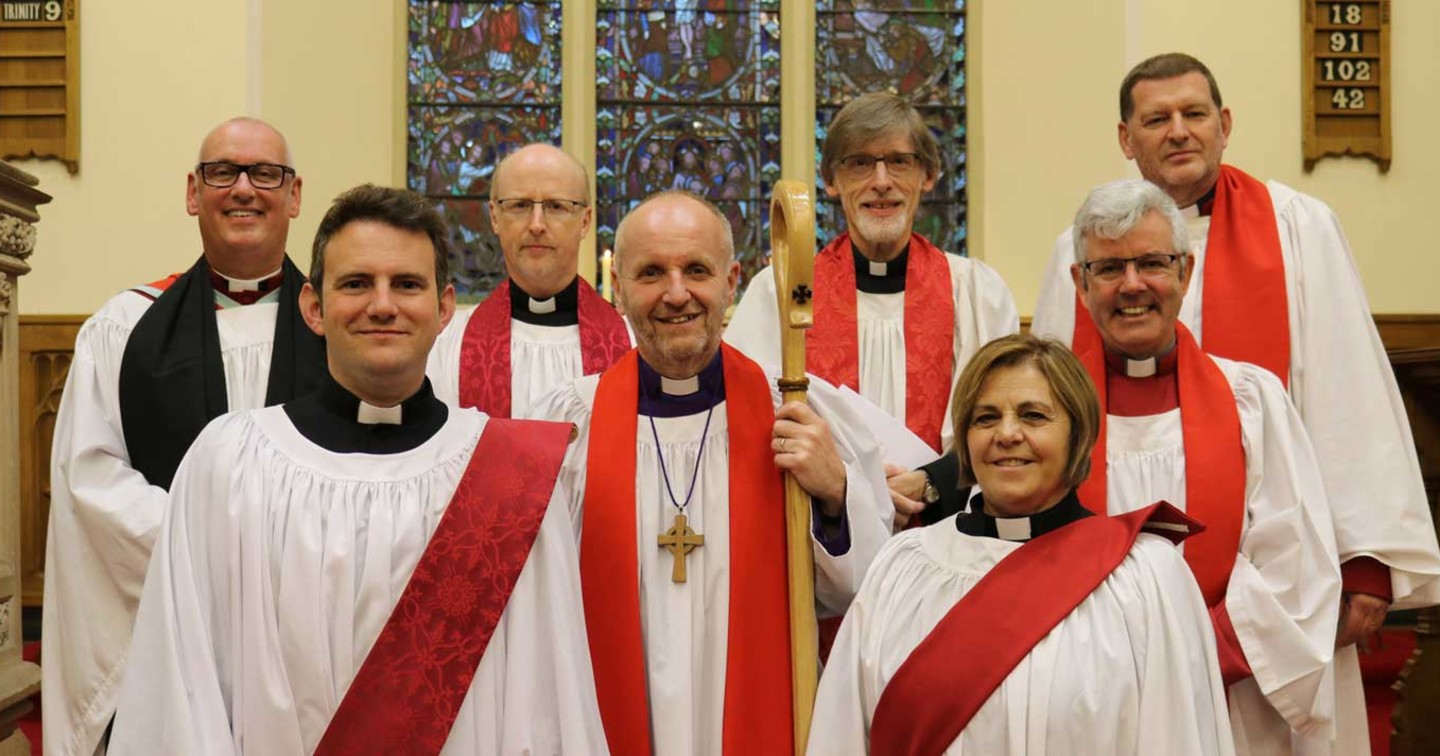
x=1140, y=368
x=680, y=386
x=879, y=269
x=541, y=306
x=1013, y=528
x=247, y=284
x=369, y=414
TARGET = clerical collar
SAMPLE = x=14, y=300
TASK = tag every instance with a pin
x=335, y=419
x=245, y=290
x=1139, y=388
x=667, y=397
x=977, y=523
x=880, y=277
x=1202, y=207
x=559, y=310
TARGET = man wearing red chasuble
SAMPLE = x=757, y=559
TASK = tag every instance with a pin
x=896, y=318
x=544, y=326
x=1220, y=440
x=1276, y=285
x=364, y=569
x=682, y=538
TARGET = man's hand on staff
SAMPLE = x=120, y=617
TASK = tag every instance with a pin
x=804, y=448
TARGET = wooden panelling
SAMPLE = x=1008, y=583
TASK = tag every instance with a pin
x=47, y=344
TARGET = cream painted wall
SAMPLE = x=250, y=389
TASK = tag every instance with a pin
x=1044, y=72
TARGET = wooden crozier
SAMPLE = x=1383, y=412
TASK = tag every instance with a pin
x=792, y=258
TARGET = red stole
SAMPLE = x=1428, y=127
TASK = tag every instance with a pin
x=1214, y=461
x=407, y=693
x=757, y=668
x=1245, y=314
x=832, y=345
x=485, y=373
x=976, y=645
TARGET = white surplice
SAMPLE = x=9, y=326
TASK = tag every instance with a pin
x=984, y=310
x=104, y=515
x=1131, y=670
x=1284, y=592
x=1343, y=386
x=685, y=625
x=542, y=358
x=277, y=567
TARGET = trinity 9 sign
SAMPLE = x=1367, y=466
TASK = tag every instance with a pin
x=1345, y=64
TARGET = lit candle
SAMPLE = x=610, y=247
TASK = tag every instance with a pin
x=607, y=283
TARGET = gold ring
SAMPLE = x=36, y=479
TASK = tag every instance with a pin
x=782, y=445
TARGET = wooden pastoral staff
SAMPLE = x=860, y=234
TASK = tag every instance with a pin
x=792, y=258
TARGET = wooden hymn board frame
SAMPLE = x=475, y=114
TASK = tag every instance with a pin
x=40, y=80
x=1345, y=69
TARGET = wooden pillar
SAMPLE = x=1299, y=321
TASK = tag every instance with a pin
x=19, y=679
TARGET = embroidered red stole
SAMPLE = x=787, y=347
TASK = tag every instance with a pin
x=832, y=345
x=1245, y=314
x=1214, y=461
x=976, y=645
x=407, y=693
x=485, y=373
x=757, y=667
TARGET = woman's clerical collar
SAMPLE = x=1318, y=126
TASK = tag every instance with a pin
x=559, y=310
x=335, y=419
x=669, y=397
x=977, y=523
x=880, y=277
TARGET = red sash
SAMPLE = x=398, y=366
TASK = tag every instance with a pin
x=485, y=374
x=832, y=345
x=406, y=695
x=1244, y=314
x=1214, y=461
x=757, y=667
x=976, y=645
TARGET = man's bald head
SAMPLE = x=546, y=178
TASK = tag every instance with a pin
x=243, y=228
x=240, y=122
x=540, y=209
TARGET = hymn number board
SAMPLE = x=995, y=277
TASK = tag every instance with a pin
x=40, y=80
x=1345, y=60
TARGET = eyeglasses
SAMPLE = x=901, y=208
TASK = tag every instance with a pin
x=896, y=163
x=1111, y=269
x=553, y=209
x=262, y=175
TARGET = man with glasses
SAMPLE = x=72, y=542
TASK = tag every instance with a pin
x=151, y=368
x=544, y=326
x=896, y=318
x=1276, y=285
x=1220, y=440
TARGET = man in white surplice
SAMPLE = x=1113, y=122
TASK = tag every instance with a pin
x=1247, y=470
x=906, y=316
x=1325, y=344
x=293, y=531
x=691, y=646
x=151, y=367
x=549, y=322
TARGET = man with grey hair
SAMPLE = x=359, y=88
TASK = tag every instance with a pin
x=545, y=325
x=1276, y=285
x=896, y=318
x=151, y=368
x=1220, y=440
x=682, y=548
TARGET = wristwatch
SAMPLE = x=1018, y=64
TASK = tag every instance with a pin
x=931, y=493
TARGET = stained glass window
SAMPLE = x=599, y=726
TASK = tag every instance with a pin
x=688, y=97
x=917, y=50
x=483, y=80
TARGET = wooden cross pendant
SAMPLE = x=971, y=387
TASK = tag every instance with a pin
x=680, y=540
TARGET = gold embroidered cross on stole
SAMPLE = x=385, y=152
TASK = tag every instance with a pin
x=680, y=540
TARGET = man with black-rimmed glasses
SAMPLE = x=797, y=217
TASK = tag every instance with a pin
x=151, y=368
x=896, y=318
x=544, y=326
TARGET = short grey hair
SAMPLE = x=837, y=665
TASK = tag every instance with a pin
x=727, y=235
x=1114, y=208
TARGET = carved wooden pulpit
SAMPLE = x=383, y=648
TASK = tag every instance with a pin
x=19, y=680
